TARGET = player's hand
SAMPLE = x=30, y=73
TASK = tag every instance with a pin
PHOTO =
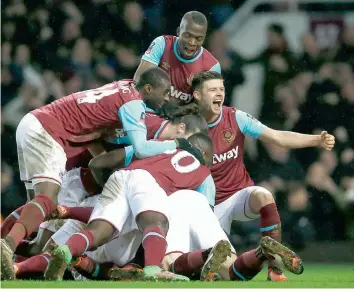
x=327, y=141
x=184, y=144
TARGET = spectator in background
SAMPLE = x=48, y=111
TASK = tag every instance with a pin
x=344, y=52
x=311, y=58
x=297, y=225
x=81, y=62
x=11, y=195
x=230, y=63
x=28, y=99
x=133, y=36
x=278, y=62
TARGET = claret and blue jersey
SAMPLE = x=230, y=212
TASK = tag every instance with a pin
x=163, y=53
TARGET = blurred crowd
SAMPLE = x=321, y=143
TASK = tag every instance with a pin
x=307, y=93
x=51, y=48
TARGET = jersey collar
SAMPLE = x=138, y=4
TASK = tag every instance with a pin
x=186, y=60
x=210, y=125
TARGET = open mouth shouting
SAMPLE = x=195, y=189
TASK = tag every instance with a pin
x=217, y=103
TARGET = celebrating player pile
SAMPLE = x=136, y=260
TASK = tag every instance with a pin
x=159, y=193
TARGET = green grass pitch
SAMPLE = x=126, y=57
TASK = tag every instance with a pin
x=314, y=276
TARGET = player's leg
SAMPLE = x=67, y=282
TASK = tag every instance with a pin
x=250, y=263
x=41, y=161
x=10, y=220
x=148, y=203
x=249, y=204
x=192, y=231
x=108, y=218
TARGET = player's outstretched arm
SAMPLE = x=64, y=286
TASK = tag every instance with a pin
x=287, y=139
x=152, y=56
x=102, y=166
x=294, y=140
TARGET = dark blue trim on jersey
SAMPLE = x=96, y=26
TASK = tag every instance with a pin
x=186, y=60
x=210, y=125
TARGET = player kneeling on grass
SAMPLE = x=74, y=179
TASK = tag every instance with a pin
x=237, y=197
x=142, y=189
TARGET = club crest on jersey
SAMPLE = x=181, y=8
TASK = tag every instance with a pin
x=228, y=136
x=148, y=51
x=190, y=79
x=165, y=65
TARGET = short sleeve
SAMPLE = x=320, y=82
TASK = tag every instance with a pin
x=216, y=68
x=132, y=116
x=248, y=124
x=155, y=51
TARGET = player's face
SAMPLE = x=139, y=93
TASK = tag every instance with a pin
x=191, y=38
x=156, y=97
x=212, y=96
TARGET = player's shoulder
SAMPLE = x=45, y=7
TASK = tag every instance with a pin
x=228, y=110
x=209, y=57
x=169, y=38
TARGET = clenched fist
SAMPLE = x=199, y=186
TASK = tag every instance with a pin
x=327, y=141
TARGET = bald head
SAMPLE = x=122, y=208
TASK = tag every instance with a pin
x=191, y=32
x=196, y=17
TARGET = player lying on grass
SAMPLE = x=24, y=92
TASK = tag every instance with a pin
x=45, y=136
x=181, y=57
x=237, y=197
x=142, y=189
x=197, y=246
x=79, y=183
x=193, y=232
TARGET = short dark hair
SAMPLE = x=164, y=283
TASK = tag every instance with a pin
x=197, y=17
x=152, y=76
x=201, y=77
x=194, y=123
x=187, y=114
x=173, y=111
x=204, y=143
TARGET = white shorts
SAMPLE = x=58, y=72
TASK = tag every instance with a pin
x=71, y=194
x=40, y=157
x=236, y=208
x=120, y=251
x=129, y=192
x=192, y=225
x=73, y=226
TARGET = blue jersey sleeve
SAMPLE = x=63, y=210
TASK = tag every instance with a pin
x=155, y=51
x=248, y=124
x=216, y=68
x=129, y=154
x=132, y=116
x=207, y=188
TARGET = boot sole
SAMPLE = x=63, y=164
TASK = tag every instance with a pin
x=7, y=269
x=55, y=264
x=217, y=256
x=120, y=274
x=291, y=261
